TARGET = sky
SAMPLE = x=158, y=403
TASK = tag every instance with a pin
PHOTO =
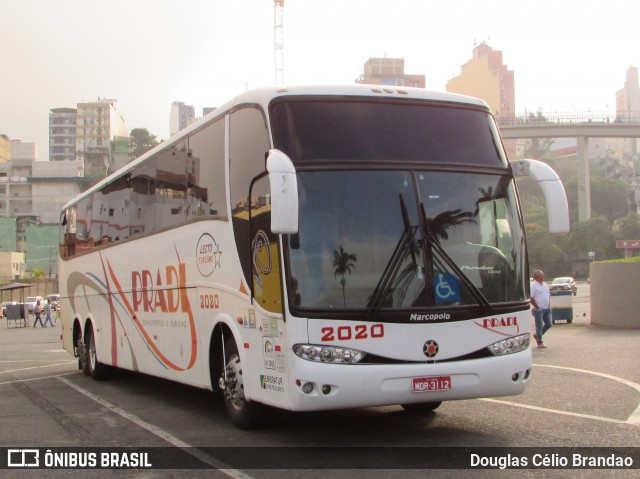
x=566, y=55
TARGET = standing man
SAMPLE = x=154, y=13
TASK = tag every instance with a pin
x=47, y=312
x=541, y=302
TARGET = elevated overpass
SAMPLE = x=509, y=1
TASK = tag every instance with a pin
x=581, y=126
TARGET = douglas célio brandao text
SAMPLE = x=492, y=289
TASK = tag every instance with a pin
x=551, y=460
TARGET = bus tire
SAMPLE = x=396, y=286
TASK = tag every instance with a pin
x=243, y=413
x=93, y=367
x=422, y=407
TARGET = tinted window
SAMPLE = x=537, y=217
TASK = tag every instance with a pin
x=382, y=130
x=205, y=168
x=142, y=183
x=248, y=146
x=171, y=186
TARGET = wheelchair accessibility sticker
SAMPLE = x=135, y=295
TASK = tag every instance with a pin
x=447, y=288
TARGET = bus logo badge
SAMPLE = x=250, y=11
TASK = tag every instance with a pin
x=430, y=348
x=207, y=255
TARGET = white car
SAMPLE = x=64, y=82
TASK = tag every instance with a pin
x=31, y=301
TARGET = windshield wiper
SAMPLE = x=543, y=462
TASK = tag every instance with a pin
x=435, y=246
x=393, y=265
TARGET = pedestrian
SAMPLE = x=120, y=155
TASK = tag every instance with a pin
x=47, y=312
x=37, y=309
x=541, y=306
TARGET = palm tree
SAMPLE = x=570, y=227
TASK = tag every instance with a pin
x=439, y=225
x=343, y=263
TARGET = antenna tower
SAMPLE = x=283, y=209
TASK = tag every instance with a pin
x=278, y=42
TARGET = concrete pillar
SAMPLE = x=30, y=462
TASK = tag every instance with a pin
x=584, y=180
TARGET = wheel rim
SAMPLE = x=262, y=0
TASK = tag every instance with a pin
x=234, y=388
x=92, y=352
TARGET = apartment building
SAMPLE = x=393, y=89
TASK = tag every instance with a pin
x=97, y=124
x=62, y=134
x=389, y=71
x=487, y=78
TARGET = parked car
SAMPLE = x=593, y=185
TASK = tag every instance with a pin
x=31, y=301
x=55, y=301
x=564, y=283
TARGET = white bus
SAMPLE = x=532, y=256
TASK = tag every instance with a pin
x=311, y=248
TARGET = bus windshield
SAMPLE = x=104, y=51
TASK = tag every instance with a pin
x=457, y=241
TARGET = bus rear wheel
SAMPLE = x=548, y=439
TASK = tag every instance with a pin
x=91, y=366
x=421, y=407
x=242, y=412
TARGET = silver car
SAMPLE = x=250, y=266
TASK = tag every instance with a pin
x=564, y=283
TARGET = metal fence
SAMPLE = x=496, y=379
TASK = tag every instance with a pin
x=545, y=119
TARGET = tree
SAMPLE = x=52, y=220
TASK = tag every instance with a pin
x=547, y=251
x=538, y=148
x=609, y=197
x=438, y=226
x=38, y=273
x=343, y=263
x=629, y=227
x=141, y=142
x=594, y=235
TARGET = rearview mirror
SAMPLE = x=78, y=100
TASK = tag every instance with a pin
x=284, y=193
x=552, y=188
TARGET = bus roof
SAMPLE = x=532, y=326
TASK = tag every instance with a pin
x=264, y=96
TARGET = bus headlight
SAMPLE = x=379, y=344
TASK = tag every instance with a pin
x=328, y=354
x=510, y=345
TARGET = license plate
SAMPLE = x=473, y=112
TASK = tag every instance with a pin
x=433, y=383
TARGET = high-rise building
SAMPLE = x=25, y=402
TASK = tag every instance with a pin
x=62, y=134
x=5, y=148
x=628, y=97
x=180, y=117
x=98, y=123
x=389, y=71
x=487, y=78
x=626, y=149
x=628, y=109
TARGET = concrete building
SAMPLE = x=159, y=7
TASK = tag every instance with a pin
x=628, y=109
x=20, y=150
x=62, y=134
x=625, y=150
x=487, y=78
x=31, y=196
x=12, y=265
x=37, y=188
x=98, y=123
x=5, y=148
x=180, y=117
x=52, y=185
x=389, y=71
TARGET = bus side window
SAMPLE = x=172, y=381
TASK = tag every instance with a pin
x=265, y=266
x=205, y=172
x=248, y=144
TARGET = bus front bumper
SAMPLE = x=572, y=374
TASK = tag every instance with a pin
x=319, y=386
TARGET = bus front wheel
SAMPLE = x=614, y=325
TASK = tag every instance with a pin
x=242, y=412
